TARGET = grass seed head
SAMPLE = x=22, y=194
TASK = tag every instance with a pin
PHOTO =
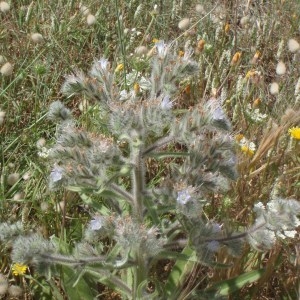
x=281, y=68
x=37, y=38
x=13, y=178
x=141, y=50
x=15, y=291
x=4, y=6
x=3, y=284
x=184, y=24
x=274, y=88
x=91, y=19
x=84, y=10
x=293, y=45
x=7, y=69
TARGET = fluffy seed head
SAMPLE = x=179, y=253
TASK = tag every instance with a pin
x=293, y=45
x=184, y=24
x=41, y=143
x=91, y=19
x=281, y=68
x=4, y=6
x=7, y=69
x=15, y=291
x=13, y=178
x=84, y=10
x=19, y=196
x=274, y=88
x=37, y=38
x=3, y=284
x=2, y=115
x=44, y=206
x=141, y=50
x=200, y=9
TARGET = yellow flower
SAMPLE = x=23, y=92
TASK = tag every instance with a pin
x=236, y=58
x=239, y=137
x=256, y=103
x=200, y=45
x=181, y=53
x=155, y=40
x=227, y=28
x=295, y=133
x=19, y=269
x=247, y=150
x=250, y=74
x=136, y=88
x=119, y=68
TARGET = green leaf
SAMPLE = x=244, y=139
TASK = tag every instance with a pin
x=75, y=285
x=232, y=285
x=179, y=271
x=162, y=155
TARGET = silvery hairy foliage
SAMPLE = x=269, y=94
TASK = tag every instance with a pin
x=146, y=221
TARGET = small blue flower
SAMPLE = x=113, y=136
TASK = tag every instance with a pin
x=213, y=246
x=96, y=223
x=183, y=197
x=166, y=103
x=56, y=174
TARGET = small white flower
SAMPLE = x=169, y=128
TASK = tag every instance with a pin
x=162, y=49
x=103, y=62
x=124, y=95
x=290, y=233
x=44, y=152
x=56, y=174
x=145, y=84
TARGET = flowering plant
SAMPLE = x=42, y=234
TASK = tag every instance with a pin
x=136, y=222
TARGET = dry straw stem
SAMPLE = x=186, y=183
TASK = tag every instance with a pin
x=273, y=133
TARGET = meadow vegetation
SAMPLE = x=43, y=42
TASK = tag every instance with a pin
x=167, y=170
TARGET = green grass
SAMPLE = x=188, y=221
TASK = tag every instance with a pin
x=70, y=44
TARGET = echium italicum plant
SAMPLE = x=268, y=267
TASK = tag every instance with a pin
x=136, y=222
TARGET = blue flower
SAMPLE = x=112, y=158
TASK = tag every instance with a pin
x=56, y=174
x=183, y=197
x=96, y=223
x=213, y=246
x=166, y=103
